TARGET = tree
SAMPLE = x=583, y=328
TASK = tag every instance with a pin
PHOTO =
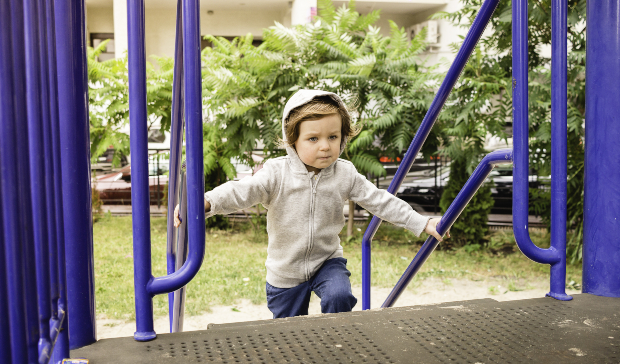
x=471, y=226
x=108, y=98
x=497, y=48
x=478, y=107
x=246, y=87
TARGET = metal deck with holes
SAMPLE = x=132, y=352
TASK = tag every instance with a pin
x=584, y=330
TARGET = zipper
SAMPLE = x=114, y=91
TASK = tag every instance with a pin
x=313, y=186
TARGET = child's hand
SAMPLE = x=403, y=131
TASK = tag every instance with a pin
x=431, y=228
x=177, y=213
x=177, y=217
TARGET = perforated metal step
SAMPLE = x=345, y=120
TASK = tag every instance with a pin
x=585, y=330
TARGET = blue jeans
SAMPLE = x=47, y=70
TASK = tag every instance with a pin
x=331, y=283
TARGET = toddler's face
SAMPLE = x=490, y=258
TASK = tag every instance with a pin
x=318, y=145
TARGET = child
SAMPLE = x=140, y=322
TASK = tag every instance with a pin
x=304, y=193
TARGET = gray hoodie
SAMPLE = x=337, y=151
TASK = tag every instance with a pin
x=304, y=211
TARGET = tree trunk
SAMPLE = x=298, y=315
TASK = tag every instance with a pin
x=351, y=215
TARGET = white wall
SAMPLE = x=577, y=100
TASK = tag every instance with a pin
x=448, y=34
x=302, y=11
x=160, y=26
x=237, y=23
x=159, y=32
x=99, y=20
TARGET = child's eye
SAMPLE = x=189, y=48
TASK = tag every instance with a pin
x=333, y=137
x=313, y=139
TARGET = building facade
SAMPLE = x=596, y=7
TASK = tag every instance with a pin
x=107, y=19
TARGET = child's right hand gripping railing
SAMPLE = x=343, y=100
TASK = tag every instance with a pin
x=146, y=286
x=556, y=255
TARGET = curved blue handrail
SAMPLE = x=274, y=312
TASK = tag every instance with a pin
x=146, y=286
x=502, y=156
x=556, y=254
x=195, y=168
x=471, y=39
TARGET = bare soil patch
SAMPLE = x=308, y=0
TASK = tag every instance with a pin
x=429, y=291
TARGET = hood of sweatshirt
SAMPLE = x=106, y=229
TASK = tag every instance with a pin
x=300, y=98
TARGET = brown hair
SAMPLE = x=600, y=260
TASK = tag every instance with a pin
x=317, y=108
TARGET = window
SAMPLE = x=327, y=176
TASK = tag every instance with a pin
x=97, y=38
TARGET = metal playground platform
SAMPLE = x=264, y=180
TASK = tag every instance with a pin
x=541, y=330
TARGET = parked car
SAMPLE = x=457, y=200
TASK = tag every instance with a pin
x=115, y=187
x=423, y=194
x=422, y=190
x=502, y=189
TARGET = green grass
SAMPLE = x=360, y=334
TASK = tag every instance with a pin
x=240, y=253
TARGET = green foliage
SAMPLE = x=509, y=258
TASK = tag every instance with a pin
x=108, y=107
x=217, y=166
x=478, y=107
x=471, y=226
x=246, y=87
x=497, y=55
x=108, y=98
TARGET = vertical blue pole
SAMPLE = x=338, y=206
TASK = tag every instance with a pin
x=25, y=210
x=193, y=133
x=75, y=159
x=176, y=141
x=61, y=349
x=37, y=169
x=558, y=147
x=601, y=228
x=12, y=265
x=48, y=160
x=140, y=211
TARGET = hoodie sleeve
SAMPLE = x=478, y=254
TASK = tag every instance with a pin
x=386, y=206
x=237, y=195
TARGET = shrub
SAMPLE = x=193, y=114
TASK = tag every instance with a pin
x=471, y=227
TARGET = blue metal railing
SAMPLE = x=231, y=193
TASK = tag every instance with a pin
x=146, y=286
x=471, y=39
x=556, y=254
x=176, y=139
x=457, y=206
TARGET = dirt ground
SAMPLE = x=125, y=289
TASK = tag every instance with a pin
x=429, y=292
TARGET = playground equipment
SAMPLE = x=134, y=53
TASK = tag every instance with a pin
x=46, y=240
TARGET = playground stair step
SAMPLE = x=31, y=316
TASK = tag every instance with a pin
x=541, y=330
